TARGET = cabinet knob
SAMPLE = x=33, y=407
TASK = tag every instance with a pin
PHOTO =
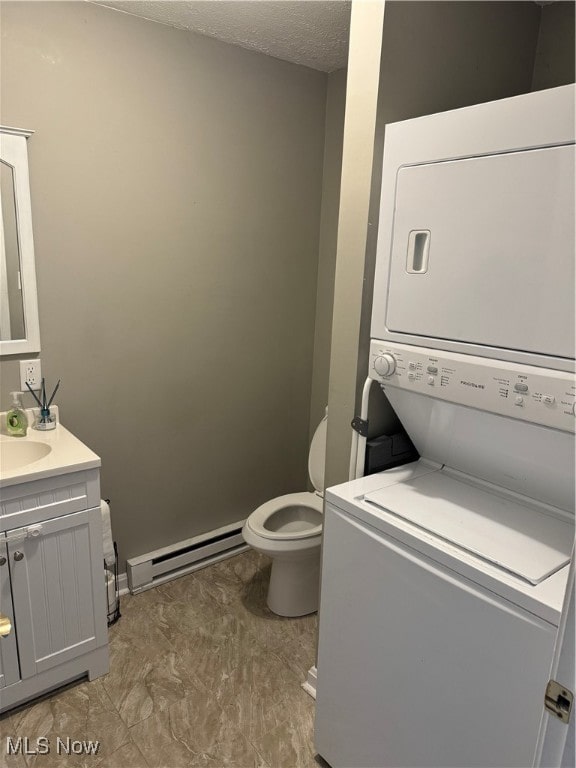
x=18, y=555
x=2, y=561
x=5, y=625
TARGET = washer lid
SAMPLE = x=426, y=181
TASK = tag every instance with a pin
x=317, y=455
x=516, y=535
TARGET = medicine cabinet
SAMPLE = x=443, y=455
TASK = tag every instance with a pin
x=19, y=327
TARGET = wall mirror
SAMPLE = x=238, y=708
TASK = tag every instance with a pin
x=19, y=328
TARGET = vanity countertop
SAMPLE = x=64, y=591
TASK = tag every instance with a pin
x=59, y=452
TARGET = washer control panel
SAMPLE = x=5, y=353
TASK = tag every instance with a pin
x=530, y=393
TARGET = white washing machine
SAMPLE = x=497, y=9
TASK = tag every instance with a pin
x=443, y=580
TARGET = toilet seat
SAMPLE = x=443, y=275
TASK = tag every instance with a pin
x=306, y=505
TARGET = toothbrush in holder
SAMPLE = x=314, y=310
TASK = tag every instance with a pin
x=45, y=420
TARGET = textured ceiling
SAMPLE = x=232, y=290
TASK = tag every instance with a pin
x=309, y=32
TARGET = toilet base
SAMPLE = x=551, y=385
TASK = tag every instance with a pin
x=294, y=585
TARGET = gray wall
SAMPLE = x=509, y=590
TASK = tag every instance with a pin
x=176, y=186
x=335, y=103
x=435, y=56
x=444, y=55
x=554, y=64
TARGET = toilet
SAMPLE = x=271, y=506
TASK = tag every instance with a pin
x=289, y=530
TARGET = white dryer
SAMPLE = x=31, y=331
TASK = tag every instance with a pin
x=443, y=580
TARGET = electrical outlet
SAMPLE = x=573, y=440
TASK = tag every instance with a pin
x=31, y=372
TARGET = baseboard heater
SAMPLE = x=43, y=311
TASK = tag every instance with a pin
x=186, y=556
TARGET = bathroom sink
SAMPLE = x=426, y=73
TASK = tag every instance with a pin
x=39, y=454
x=14, y=455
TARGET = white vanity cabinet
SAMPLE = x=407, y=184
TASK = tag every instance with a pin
x=9, y=667
x=52, y=585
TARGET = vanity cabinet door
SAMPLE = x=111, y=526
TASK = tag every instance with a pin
x=9, y=668
x=58, y=590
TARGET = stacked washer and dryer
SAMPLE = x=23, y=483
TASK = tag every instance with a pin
x=443, y=580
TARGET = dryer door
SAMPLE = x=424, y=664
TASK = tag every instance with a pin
x=483, y=252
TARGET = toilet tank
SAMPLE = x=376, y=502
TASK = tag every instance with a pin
x=317, y=455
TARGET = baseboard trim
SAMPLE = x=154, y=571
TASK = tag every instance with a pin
x=123, y=584
x=309, y=684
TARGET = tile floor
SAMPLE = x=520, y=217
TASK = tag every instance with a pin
x=201, y=674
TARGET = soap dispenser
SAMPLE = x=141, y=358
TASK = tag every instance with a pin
x=16, y=419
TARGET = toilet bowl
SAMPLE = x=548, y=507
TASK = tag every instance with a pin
x=289, y=530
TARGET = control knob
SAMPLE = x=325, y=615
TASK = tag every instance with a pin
x=385, y=364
